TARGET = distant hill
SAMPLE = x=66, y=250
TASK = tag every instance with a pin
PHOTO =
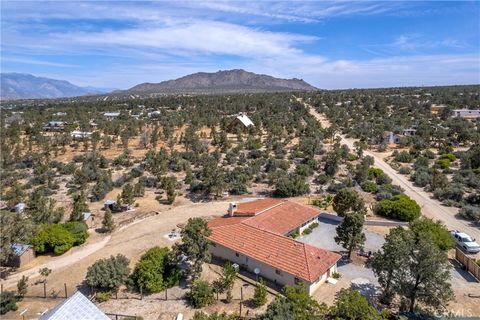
x=236, y=80
x=27, y=86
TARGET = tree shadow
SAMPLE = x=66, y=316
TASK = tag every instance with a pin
x=461, y=270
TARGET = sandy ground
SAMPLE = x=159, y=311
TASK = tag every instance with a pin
x=431, y=208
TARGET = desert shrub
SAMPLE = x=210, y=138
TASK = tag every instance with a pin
x=108, y=273
x=421, y=177
x=369, y=186
x=452, y=192
x=429, y=154
x=102, y=296
x=404, y=157
x=450, y=156
x=405, y=170
x=374, y=173
x=304, y=170
x=201, y=294
x=307, y=231
x=443, y=163
x=470, y=213
x=399, y=207
x=52, y=238
x=322, y=178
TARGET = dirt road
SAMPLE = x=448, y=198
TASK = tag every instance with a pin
x=431, y=208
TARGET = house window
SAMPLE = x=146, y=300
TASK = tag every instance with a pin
x=278, y=272
x=297, y=281
x=236, y=254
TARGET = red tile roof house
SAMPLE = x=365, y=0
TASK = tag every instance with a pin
x=256, y=235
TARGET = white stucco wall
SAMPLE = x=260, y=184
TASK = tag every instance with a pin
x=266, y=271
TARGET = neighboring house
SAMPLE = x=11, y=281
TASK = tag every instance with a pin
x=15, y=117
x=466, y=113
x=76, y=307
x=55, y=126
x=111, y=115
x=255, y=235
x=154, y=114
x=241, y=121
x=79, y=135
x=393, y=138
x=22, y=254
x=60, y=114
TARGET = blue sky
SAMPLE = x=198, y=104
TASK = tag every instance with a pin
x=118, y=44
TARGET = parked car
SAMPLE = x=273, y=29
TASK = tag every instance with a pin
x=465, y=242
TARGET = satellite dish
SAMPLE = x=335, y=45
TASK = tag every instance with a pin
x=256, y=270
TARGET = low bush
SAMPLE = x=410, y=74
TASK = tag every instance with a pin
x=399, y=207
x=470, y=213
x=201, y=294
x=403, y=157
x=52, y=238
x=8, y=302
x=102, y=296
x=369, y=186
x=443, y=164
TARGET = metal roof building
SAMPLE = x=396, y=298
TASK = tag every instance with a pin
x=77, y=307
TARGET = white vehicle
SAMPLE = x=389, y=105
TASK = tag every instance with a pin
x=465, y=242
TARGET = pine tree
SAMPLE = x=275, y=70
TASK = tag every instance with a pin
x=79, y=207
x=22, y=286
x=107, y=222
x=260, y=294
x=349, y=232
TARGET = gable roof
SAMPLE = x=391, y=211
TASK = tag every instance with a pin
x=74, y=308
x=294, y=257
x=257, y=229
x=245, y=120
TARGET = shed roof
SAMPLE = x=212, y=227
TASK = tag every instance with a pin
x=74, y=308
x=245, y=120
x=19, y=248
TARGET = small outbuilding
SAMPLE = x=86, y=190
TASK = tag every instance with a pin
x=111, y=115
x=19, y=207
x=110, y=204
x=55, y=126
x=22, y=254
x=88, y=218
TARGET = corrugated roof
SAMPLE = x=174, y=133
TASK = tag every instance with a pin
x=77, y=307
x=19, y=248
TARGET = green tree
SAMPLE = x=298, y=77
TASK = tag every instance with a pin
x=128, y=197
x=201, y=294
x=52, y=238
x=109, y=273
x=349, y=232
x=8, y=302
x=260, y=294
x=15, y=195
x=295, y=303
x=22, y=287
x=435, y=229
x=229, y=274
x=398, y=207
x=291, y=186
x=194, y=246
x=13, y=229
x=348, y=200
x=79, y=207
x=415, y=269
x=199, y=315
x=154, y=272
x=351, y=305
x=107, y=223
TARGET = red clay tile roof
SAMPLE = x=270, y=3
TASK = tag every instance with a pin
x=283, y=218
x=257, y=206
x=294, y=257
x=262, y=237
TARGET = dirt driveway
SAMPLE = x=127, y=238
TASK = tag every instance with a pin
x=431, y=208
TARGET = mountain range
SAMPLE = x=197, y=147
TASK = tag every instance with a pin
x=27, y=86
x=223, y=81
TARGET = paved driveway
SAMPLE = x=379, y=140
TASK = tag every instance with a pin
x=323, y=237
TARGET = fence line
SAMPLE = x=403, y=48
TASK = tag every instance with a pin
x=468, y=262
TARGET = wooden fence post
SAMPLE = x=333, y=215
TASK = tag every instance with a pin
x=66, y=293
x=141, y=293
x=45, y=289
x=166, y=295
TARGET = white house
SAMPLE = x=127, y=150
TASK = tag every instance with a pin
x=254, y=235
x=466, y=113
x=80, y=134
x=111, y=115
x=242, y=121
